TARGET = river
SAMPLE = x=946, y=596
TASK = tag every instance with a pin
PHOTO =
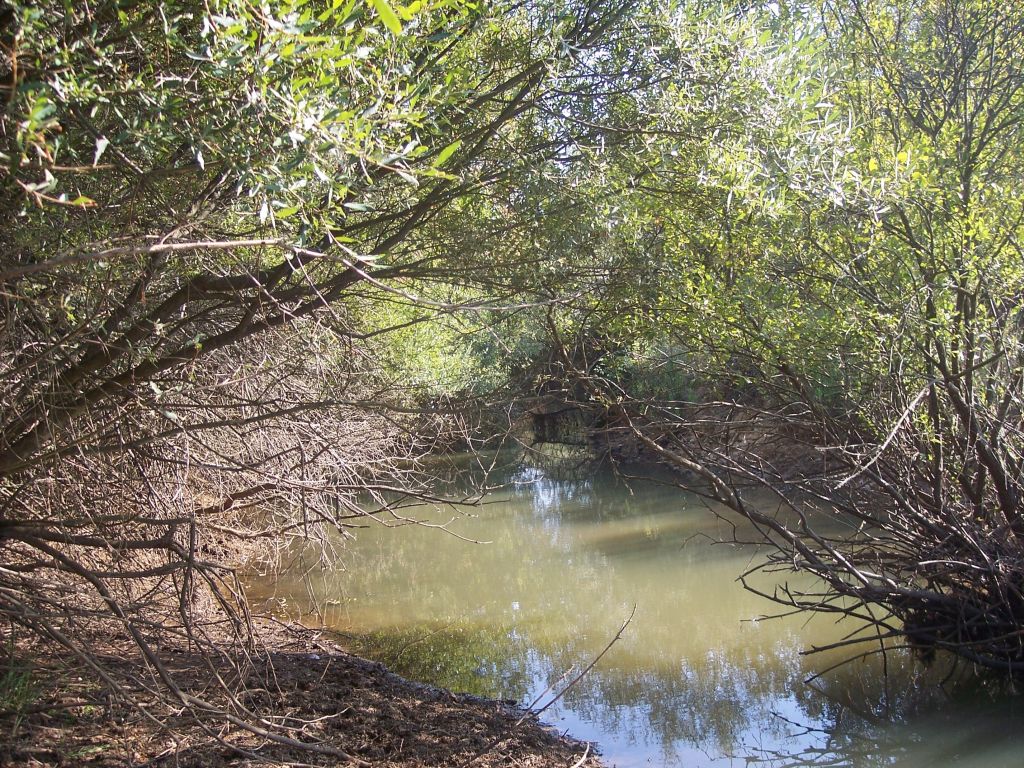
x=521, y=591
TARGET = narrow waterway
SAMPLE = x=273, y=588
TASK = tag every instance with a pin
x=528, y=586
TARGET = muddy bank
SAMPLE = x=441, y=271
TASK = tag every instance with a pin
x=328, y=697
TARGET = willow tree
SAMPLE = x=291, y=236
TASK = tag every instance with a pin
x=836, y=191
x=198, y=201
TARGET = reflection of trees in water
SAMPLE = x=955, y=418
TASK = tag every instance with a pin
x=566, y=464
x=442, y=611
x=711, y=702
x=754, y=707
x=517, y=465
x=715, y=703
x=961, y=736
x=916, y=716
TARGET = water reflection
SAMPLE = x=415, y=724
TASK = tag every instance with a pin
x=698, y=679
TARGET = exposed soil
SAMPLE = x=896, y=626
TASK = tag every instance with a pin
x=335, y=700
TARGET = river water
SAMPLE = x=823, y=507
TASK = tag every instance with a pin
x=522, y=590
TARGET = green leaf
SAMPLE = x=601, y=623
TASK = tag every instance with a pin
x=388, y=16
x=447, y=152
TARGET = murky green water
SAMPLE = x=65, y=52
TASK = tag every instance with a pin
x=698, y=678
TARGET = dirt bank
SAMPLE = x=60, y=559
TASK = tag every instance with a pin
x=331, y=698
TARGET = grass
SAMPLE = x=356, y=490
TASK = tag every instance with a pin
x=17, y=692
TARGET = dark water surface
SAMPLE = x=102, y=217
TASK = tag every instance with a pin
x=699, y=678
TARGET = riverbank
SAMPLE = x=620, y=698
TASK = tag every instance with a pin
x=329, y=697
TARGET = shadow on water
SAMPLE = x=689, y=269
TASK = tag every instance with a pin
x=699, y=679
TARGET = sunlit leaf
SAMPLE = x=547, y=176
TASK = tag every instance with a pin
x=101, y=146
x=388, y=16
x=447, y=152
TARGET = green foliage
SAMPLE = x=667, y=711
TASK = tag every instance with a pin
x=818, y=190
x=423, y=355
x=834, y=193
x=18, y=691
x=295, y=102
